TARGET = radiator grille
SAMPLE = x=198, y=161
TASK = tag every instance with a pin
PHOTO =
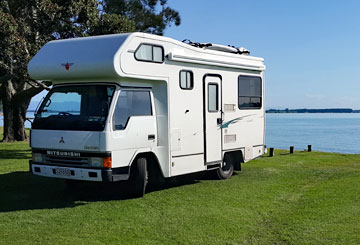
x=59, y=160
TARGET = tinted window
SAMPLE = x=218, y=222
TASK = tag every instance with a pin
x=250, y=92
x=131, y=103
x=186, y=80
x=148, y=52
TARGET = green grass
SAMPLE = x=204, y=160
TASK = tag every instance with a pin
x=305, y=198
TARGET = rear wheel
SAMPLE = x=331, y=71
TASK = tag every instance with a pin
x=139, y=178
x=228, y=168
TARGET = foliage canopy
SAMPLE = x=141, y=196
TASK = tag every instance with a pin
x=25, y=26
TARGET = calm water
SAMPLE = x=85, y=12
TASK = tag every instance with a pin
x=329, y=132
x=27, y=123
x=338, y=132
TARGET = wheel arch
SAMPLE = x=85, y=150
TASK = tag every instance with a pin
x=153, y=164
x=237, y=156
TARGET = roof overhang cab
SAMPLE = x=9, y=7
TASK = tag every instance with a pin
x=88, y=57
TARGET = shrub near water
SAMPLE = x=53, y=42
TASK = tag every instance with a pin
x=302, y=198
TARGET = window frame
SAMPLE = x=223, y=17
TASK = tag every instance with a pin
x=152, y=53
x=217, y=98
x=191, y=77
x=117, y=99
x=261, y=94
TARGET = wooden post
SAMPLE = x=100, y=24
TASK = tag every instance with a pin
x=291, y=149
x=271, y=154
x=309, y=148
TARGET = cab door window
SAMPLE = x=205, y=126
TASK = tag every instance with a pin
x=131, y=103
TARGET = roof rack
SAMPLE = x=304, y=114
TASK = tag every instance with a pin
x=218, y=47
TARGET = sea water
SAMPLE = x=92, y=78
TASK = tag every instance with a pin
x=29, y=115
x=330, y=132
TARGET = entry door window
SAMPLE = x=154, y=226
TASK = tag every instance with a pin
x=213, y=97
x=131, y=103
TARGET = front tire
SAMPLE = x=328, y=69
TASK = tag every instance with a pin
x=139, y=178
x=227, y=170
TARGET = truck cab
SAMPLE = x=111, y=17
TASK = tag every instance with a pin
x=86, y=125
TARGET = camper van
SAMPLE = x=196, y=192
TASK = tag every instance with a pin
x=138, y=107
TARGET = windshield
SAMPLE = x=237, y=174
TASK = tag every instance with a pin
x=75, y=107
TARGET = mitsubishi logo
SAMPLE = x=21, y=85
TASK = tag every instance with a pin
x=62, y=140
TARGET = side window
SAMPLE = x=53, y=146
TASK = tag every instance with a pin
x=250, y=92
x=158, y=54
x=131, y=103
x=151, y=53
x=213, y=97
x=186, y=79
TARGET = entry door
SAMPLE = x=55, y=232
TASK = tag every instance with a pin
x=213, y=120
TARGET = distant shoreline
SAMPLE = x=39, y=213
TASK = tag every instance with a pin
x=331, y=110
x=289, y=111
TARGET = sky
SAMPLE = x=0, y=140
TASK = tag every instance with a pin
x=311, y=48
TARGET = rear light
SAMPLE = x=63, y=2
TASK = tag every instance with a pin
x=107, y=162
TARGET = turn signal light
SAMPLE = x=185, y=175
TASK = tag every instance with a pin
x=107, y=162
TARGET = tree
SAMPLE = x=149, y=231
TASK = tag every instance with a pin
x=144, y=13
x=25, y=26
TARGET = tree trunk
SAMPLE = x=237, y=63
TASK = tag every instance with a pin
x=8, y=122
x=7, y=93
x=19, y=120
x=14, y=120
x=14, y=108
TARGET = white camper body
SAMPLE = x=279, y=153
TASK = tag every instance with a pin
x=176, y=107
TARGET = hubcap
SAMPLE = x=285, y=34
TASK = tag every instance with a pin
x=226, y=167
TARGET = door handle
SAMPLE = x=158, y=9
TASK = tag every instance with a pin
x=151, y=136
x=219, y=121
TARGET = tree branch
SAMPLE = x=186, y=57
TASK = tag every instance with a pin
x=28, y=93
x=42, y=85
x=5, y=78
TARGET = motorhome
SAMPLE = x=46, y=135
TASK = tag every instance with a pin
x=138, y=107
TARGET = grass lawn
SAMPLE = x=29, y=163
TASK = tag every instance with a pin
x=304, y=198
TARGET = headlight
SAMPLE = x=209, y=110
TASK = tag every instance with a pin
x=37, y=157
x=96, y=162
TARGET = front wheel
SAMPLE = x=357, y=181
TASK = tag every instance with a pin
x=139, y=178
x=227, y=170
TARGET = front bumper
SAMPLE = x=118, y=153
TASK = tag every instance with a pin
x=76, y=173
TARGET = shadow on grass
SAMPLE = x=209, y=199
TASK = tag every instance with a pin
x=15, y=154
x=24, y=191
